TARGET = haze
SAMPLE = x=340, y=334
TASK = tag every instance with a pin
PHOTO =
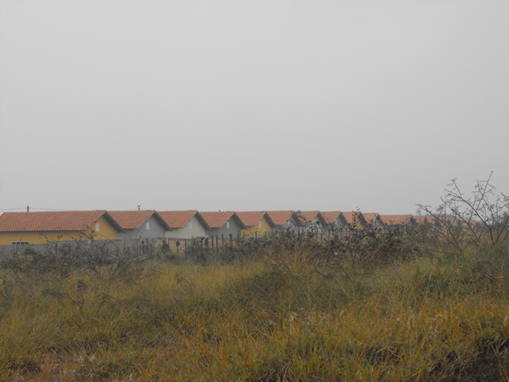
x=250, y=105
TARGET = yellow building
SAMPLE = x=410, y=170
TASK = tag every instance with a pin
x=42, y=227
x=257, y=223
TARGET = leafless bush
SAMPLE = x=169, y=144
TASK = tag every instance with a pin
x=462, y=222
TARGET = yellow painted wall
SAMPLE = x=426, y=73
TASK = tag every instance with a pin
x=250, y=231
x=106, y=231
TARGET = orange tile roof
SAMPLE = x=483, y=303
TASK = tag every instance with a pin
x=52, y=221
x=310, y=216
x=179, y=219
x=454, y=221
x=473, y=223
x=420, y=219
x=330, y=217
x=280, y=217
x=250, y=218
x=396, y=219
x=218, y=219
x=131, y=219
x=432, y=220
x=370, y=217
x=351, y=217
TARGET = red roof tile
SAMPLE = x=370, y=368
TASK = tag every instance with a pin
x=396, y=219
x=217, y=219
x=370, y=217
x=420, y=219
x=473, y=223
x=454, y=222
x=178, y=219
x=424, y=219
x=352, y=217
x=250, y=218
x=131, y=219
x=279, y=217
x=52, y=221
x=310, y=216
x=330, y=217
x=432, y=220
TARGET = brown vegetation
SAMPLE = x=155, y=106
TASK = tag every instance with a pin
x=368, y=306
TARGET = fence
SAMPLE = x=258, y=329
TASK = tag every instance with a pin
x=178, y=245
x=134, y=246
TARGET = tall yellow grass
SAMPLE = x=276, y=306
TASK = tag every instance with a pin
x=281, y=317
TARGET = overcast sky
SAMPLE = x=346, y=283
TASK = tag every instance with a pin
x=250, y=105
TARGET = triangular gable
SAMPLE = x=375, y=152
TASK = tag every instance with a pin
x=134, y=219
x=354, y=217
x=308, y=217
x=279, y=218
x=179, y=219
x=371, y=217
x=252, y=218
x=219, y=219
x=330, y=217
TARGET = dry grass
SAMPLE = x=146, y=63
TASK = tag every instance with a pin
x=286, y=316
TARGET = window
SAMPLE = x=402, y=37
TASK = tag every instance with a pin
x=227, y=224
x=260, y=224
x=147, y=226
x=19, y=242
x=190, y=225
x=96, y=227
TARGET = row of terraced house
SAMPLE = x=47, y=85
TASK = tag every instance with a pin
x=54, y=226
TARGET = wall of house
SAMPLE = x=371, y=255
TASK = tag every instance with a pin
x=259, y=230
x=7, y=238
x=106, y=232
x=234, y=230
x=315, y=226
x=188, y=231
x=377, y=224
x=155, y=230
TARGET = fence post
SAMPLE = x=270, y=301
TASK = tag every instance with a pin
x=222, y=240
x=231, y=240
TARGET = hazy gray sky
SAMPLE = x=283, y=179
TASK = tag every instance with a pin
x=250, y=105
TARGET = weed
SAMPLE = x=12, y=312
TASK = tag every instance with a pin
x=364, y=305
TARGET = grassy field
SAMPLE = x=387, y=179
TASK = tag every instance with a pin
x=367, y=308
